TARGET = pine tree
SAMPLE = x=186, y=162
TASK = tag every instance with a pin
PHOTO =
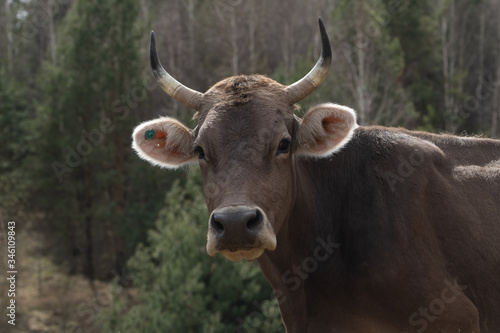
x=180, y=288
x=14, y=136
x=14, y=132
x=415, y=25
x=86, y=183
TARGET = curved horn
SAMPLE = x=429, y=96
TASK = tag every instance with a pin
x=184, y=95
x=302, y=88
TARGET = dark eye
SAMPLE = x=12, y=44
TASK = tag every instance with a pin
x=283, y=147
x=201, y=154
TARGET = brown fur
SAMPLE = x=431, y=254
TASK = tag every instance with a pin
x=412, y=218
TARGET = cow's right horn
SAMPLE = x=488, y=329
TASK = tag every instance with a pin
x=184, y=95
x=302, y=88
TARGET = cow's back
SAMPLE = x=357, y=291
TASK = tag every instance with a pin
x=472, y=244
x=446, y=189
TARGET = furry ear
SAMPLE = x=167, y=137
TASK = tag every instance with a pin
x=325, y=129
x=164, y=142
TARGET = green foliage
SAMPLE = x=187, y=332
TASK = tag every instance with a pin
x=387, y=60
x=428, y=120
x=97, y=197
x=180, y=288
x=415, y=26
x=368, y=62
x=15, y=138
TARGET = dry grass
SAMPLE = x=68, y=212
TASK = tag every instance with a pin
x=47, y=299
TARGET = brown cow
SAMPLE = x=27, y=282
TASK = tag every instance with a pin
x=357, y=229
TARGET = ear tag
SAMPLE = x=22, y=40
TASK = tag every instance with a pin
x=151, y=134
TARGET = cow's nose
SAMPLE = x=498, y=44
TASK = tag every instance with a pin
x=240, y=223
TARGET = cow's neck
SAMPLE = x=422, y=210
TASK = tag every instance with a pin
x=308, y=243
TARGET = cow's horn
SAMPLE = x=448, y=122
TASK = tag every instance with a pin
x=302, y=88
x=184, y=95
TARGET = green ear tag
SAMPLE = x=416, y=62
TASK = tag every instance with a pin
x=150, y=134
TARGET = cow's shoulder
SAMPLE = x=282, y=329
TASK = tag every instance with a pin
x=383, y=149
x=462, y=150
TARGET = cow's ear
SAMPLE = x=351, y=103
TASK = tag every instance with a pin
x=325, y=129
x=164, y=142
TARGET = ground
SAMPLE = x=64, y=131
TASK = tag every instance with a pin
x=48, y=299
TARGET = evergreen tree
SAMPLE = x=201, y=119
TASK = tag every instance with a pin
x=415, y=25
x=14, y=136
x=15, y=109
x=85, y=181
x=181, y=289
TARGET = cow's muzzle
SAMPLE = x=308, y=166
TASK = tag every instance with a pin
x=240, y=232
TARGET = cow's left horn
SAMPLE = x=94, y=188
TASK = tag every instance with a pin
x=302, y=88
x=184, y=95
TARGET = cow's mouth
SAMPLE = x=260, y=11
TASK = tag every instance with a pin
x=247, y=254
x=240, y=232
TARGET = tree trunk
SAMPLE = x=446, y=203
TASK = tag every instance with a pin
x=480, y=72
x=8, y=36
x=495, y=113
x=52, y=34
x=286, y=41
x=46, y=33
x=234, y=41
x=191, y=37
x=89, y=249
x=251, y=36
x=447, y=35
x=362, y=81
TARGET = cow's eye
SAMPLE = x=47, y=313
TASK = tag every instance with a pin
x=283, y=147
x=201, y=154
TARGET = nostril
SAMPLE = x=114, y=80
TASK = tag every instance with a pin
x=255, y=221
x=216, y=225
x=237, y=222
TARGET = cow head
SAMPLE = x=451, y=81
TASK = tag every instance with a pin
x=246, y=142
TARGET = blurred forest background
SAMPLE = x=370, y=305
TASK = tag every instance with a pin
x=75, y=80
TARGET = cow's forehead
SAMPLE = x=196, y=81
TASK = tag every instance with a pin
x=245, y=104
x=255, y=120
x=244, y=92
x=240, y=87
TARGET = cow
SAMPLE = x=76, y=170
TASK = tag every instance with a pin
x=356, y=228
